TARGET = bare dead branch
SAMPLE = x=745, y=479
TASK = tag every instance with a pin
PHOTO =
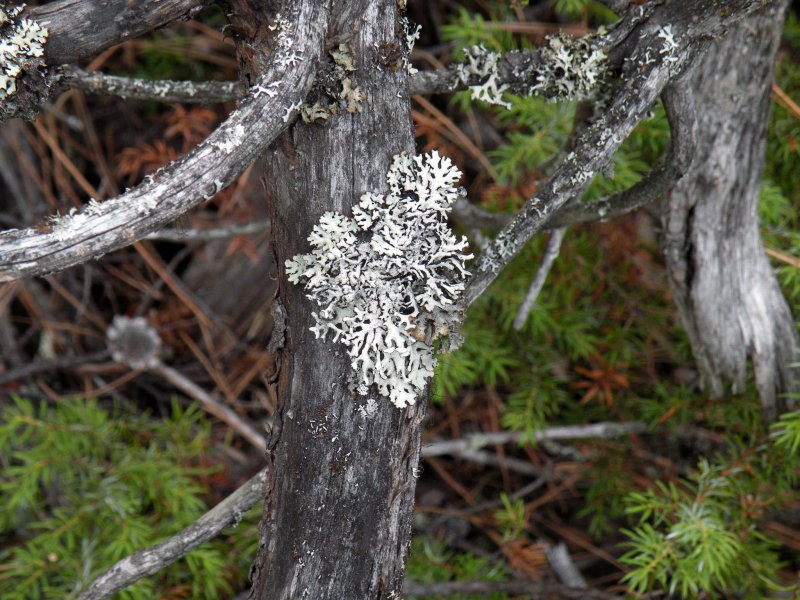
x=482, y=457
x=151, y=560
x=82, y=29
x=187, y=182
x=470, y=215
x=679, y=107
x=644, y=81
x=549, y=258
x=131, y=88
x=440, y=81
x=680, y=111
x=475, y=441
x=212, y=406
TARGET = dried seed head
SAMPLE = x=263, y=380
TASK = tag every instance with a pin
x=134, y=342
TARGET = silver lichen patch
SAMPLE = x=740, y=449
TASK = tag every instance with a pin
x=377, y=277
x=572, y=69
x=482, y=64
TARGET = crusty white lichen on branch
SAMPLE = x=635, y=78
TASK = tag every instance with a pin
x=20, y=40
x=21, y=49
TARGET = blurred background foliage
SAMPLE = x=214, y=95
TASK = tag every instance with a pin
x=703, y=504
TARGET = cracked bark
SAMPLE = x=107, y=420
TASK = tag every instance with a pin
x=727, y=295
x=337, y=516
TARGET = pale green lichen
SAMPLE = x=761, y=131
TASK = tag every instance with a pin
x=571, y=69
x=387, y=280
x=20, y=40
x=482, y=64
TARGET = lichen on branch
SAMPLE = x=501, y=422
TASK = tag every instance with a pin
x=482, y=64
x=20, y=41
x=571, y=69
x=386, y=280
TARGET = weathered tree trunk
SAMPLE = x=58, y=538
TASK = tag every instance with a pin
x=337, y=517
x=727, y=295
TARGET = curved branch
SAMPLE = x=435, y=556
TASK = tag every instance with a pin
x=592, y=151
x=151, y=560
x=81, y=29
x=680, y=110
x=666, y=43
x=102, y=227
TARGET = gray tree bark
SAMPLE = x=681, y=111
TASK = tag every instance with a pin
x=340, y=490
x=726, y=292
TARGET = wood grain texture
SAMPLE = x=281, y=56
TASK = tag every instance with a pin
x=82, y=28
x=727, y=295
x=337, y=518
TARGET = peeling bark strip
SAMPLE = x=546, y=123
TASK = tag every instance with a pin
x=337, y=519
x=727, y=295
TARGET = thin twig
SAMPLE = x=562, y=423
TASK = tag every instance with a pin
x=605, y=430
x=212, y=406
x=481, y=457
x=549, y=258
x=131, y=88
x=67, y=362
x=151, y=560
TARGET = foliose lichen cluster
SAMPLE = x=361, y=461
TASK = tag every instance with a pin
x=20, y=40
x=482, y=64
x=571, y=69
x=334, y=89
x=411, y=33
x=377, y=277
